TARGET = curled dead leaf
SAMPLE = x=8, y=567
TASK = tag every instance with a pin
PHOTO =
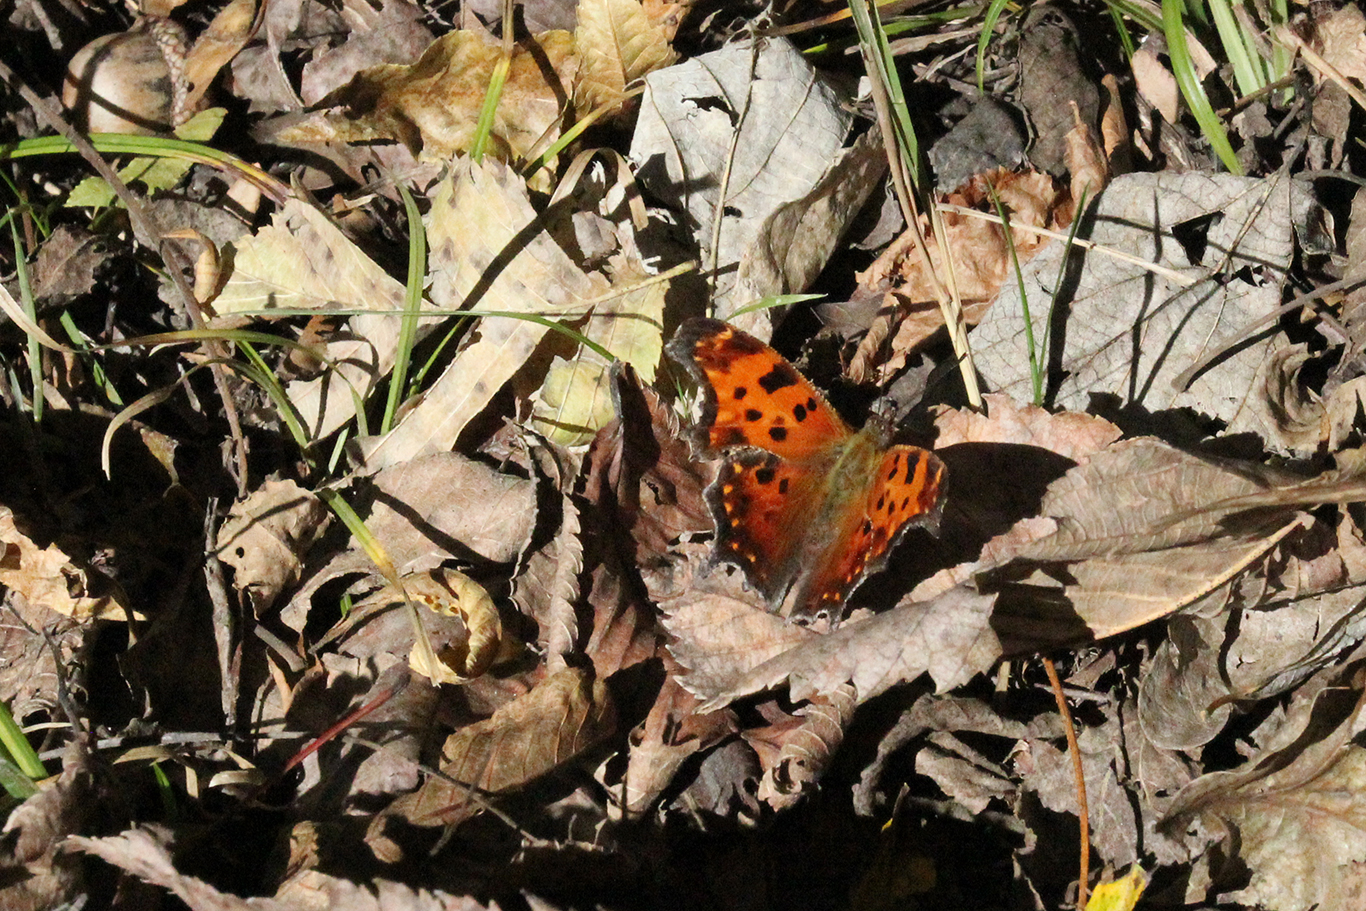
x=451, y=592
x=47, y=576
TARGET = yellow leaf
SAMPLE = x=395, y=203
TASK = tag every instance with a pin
x=1120, y=895
x=618, y=42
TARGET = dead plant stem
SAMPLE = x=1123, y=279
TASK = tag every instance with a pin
x=1083, y=812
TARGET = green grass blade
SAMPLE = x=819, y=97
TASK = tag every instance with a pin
x=35, y=348
x=484, y=128
x=1174, y=26
x=19, y=753
x=1247, y=68
x=1035, y=372
x=156, y=147
x=873, y=37
x=1122, y=30
x=993, y=13
x=412, y=308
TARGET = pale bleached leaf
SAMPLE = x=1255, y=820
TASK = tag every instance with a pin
x=487, y=254
x=575, y=400
x=302, y=260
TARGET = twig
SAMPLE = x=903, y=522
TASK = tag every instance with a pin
x=1084, y=876
x=1325, y=69
x=718, y=218
x=1177, y=278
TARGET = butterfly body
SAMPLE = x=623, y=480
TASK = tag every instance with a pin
x=805, y=505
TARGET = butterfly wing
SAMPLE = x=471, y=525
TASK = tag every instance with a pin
x=763, y=505
x=907, y=491
x=800, y=499
x=753, y=396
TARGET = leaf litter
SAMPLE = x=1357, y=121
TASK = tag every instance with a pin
x=468, y=646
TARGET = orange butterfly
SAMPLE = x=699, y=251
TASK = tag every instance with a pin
x=804, y=505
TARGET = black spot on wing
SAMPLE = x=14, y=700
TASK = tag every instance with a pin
x=780, y=377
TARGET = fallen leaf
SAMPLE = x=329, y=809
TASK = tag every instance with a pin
x=303, y=260
x=1219, y=246
x=47, y=576
x=948, y=637
x=791, y=125
x=487, y=254
x=433, y=105
x=266, y=536
x=1291, y=817
x=564, y=715
x=618, y=41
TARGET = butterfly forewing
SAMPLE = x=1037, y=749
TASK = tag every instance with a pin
x=752, y=396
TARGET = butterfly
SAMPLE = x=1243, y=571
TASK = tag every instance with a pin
x=804, y=505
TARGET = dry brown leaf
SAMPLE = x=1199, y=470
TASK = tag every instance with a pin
x=1049, y=773
x=1340, y=37
x=949, y=637
x=266, y=536
x=686, y=151
x=388, y=31
x=1292, y=816
x=803, y=751
x=1054, y=78
x=1088, y=166
x=34, y=872
x=1069, y=434
x=1354, y=306
x=672, y=732
x=1142, y=529
x=47, y=577
x=303, y=259
x=215, y=47
x=796, y=240
x=33, y=640
x=963, y=773
x=140, y=853
x=550, y=587
x=1167, y=321
x=720, y=638
x=433, y=106
x=435, y=507
x=564, y=715
x=450, y=592
x=981, y=258
x=1143, y=495
x=947, y=713
x=1103, y=595
x=574, y=398
x=642, y=477
x=489, y=251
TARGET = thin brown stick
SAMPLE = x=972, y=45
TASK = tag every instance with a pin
x=1084, y=812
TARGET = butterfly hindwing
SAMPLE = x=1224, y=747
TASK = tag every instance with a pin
x=906, y=492
x=753, y=397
